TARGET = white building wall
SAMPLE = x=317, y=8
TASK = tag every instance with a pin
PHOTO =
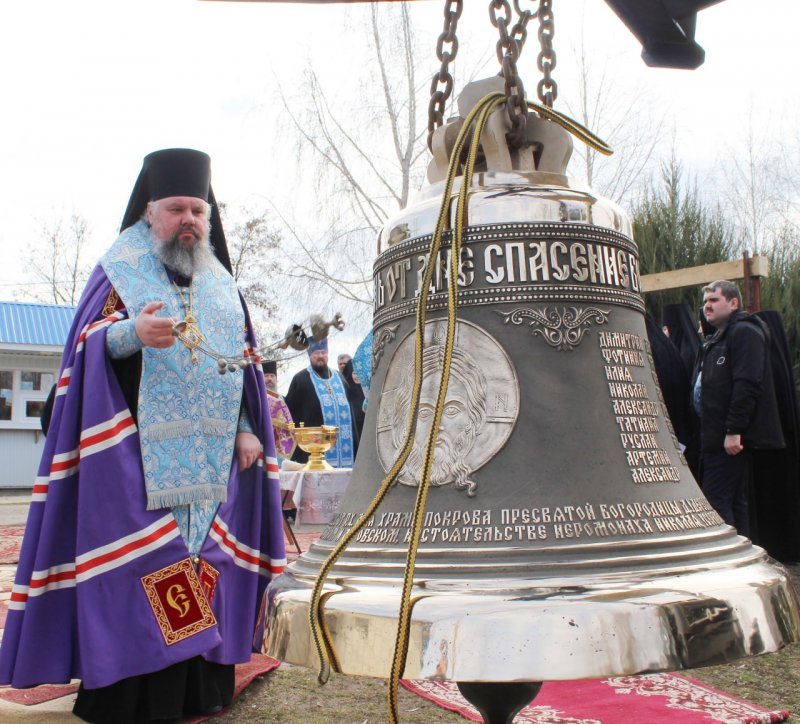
x=21, y=440
x=20, y=451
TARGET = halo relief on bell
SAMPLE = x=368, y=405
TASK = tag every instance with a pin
x=480, y=409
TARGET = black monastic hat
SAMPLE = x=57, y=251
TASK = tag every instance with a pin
x=177, y=172
x=270, y=367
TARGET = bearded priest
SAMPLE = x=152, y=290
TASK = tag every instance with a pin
x=155, y=523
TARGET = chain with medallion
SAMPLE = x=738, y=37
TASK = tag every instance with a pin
x=187, y=330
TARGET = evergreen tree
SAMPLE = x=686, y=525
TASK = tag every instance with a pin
x=781, y=289
x=674, y=229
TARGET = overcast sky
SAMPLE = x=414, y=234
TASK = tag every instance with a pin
x=89, y=87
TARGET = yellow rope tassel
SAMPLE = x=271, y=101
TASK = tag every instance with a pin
x=576, y=129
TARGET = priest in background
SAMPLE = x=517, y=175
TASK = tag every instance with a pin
x=317, y=396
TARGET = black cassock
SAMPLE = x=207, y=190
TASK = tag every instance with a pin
x=301, y=399
x=675, y=386
x=303, y=403
x=775, y=489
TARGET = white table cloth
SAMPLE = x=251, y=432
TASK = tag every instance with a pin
x=316, y=494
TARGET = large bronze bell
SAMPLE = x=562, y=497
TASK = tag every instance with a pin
x=564, y=536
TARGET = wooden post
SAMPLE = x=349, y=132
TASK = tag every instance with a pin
x=756, y=286
x=748, y=297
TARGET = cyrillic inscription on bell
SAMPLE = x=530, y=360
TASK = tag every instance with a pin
x=564, y=536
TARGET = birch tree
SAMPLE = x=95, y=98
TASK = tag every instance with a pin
x=617, y=115
x=754, y=189
x=367, y=158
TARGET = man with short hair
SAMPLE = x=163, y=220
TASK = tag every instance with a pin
x=317, y=397
x=734, y=397
x=341, y=362
x=155, y=522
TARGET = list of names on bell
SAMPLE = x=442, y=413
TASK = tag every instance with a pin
x=636, y=415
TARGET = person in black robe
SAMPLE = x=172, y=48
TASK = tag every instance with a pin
x=304, y=406
x=775, y=489
x=355, y=396
x=682, y=324
x=675, y=385
x=683, y=332
x=707, y=329
x=302, y=399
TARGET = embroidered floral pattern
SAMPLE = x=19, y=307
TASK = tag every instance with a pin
x=688, y=695
x=188, y=413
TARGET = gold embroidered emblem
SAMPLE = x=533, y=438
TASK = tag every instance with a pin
x=178, y=601
x=111, y=303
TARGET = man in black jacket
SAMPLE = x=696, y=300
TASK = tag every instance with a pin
x=735, y=399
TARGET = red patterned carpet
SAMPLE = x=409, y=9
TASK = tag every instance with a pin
x=652, y=699
x=304, y=539
x=10, y=541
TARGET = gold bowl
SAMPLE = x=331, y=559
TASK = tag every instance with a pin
x=316, y=441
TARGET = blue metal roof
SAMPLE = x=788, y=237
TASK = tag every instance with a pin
x=36, y=324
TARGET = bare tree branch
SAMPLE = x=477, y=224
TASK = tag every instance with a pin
x=622, y=123
x=370, y=153
x=254, y=247
x=754, y=193
x=56, y=262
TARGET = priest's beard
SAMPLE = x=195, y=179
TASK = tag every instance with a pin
x=184, y=260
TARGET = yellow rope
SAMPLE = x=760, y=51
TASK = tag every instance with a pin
x=319, y=631
x=575, y=128
x=322, y=639
x=482, y=110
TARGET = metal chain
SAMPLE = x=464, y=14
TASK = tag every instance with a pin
x=547, y=90
x=508, y=53
x=520, y=30
x=439, y=95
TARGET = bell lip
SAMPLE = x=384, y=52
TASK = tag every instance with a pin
x=584, y=628
x=714, y=547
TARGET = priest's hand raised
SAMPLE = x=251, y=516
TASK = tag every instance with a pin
x=154, y=331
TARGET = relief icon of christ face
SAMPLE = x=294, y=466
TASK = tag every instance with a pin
x=463, y=418
x=479, y=412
